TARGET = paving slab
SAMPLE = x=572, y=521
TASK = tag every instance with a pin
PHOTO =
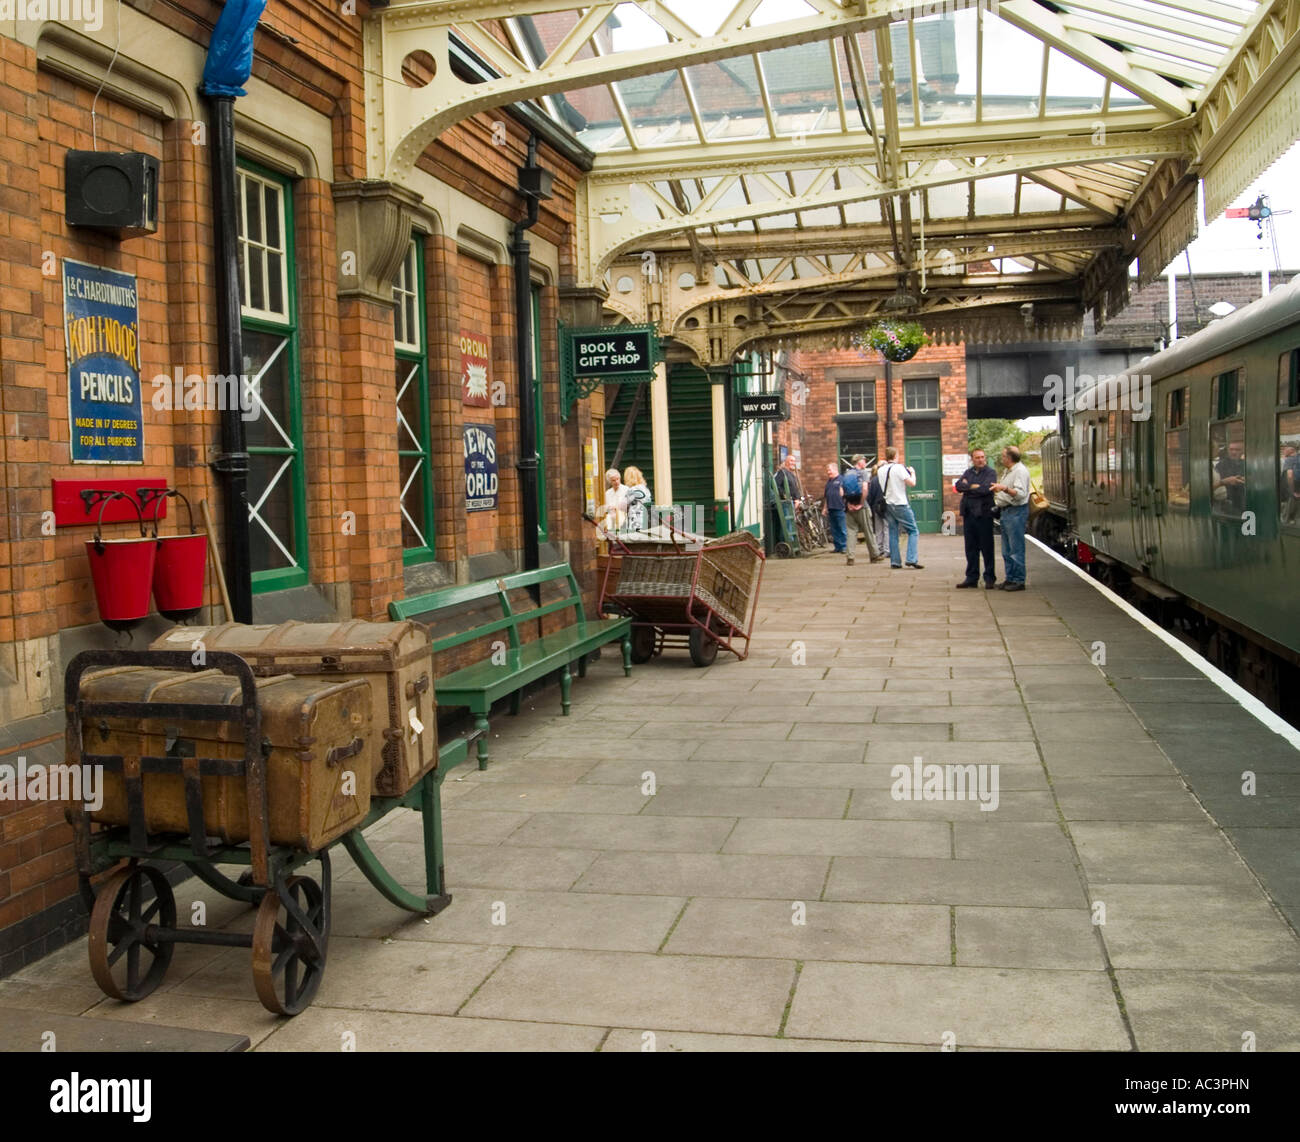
x=512, y=918
x=627, y=989
x=932, y=880
x=703, y=801
x=1020, y=937
x=841, y=838
x=968, y=1006
x=1209, y=926
x=724, y=875
x=605, y=831
x=319, y=1029
x=661, y=1040
x=1231, y=1010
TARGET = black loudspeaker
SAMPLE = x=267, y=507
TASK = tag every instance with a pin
x=114, y=192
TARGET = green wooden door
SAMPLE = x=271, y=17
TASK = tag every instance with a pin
x=924, y=454
x=690, y=429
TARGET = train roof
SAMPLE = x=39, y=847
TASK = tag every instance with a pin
x=1258, y=319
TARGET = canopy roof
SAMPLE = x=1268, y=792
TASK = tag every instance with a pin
x=800, y=165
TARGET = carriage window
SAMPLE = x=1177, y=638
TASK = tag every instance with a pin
x=1177, y=467
x=1112, y=460
x=1288, y=379
x=1225, y=396
x=1126, y=457
x=1228, y=468
x=1099, y=475
x=1288, y=438
x=1288, y=443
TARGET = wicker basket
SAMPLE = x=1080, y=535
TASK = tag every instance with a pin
x=729, y=569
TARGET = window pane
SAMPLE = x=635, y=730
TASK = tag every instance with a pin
x=858, y=436
x=271, y=198
x=275, y=514
x=1288, y=378
x=1288, y=443
x=271, y=427
x=1177, y=469
x=275, y=282
x=1228, y=467
x=920, y=396
x=252, y=212
x=256, y=298
x=413, y=507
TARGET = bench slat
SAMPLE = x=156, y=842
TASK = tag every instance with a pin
x=531, y=661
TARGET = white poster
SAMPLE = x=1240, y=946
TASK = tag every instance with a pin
x=955, y=463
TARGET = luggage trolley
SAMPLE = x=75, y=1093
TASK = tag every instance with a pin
x=133, y=925
x=700, y=595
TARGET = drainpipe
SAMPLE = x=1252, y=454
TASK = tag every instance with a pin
x=889, y=403
x=526, y=465
x=228, y=66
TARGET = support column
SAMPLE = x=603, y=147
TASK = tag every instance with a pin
x=721, y=451
x=662, y=448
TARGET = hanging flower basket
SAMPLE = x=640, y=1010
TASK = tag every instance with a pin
x=896, y=340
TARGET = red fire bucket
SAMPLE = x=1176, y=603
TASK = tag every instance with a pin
x=178, y=572
x=121, y=570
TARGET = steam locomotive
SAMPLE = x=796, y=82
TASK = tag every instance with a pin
x=1179, y=487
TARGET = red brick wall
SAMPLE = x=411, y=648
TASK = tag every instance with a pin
x=812, y=428
x=345, y=354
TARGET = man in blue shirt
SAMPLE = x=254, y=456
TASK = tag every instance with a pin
x=833, y=510
x=976, y=487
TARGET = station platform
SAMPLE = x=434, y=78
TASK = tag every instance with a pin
x=723, y=859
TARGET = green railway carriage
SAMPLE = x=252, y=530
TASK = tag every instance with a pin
x=1182, y=477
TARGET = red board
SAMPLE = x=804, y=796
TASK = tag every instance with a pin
x=70, y=508
x=1237, y=212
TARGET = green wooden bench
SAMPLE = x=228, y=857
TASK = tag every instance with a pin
x=510, y=669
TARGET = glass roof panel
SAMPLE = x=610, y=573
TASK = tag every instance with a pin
x=799, y=79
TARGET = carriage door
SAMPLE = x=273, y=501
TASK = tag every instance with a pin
x=1147, y=494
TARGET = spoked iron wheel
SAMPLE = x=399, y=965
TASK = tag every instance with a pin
x=129, y=907
x=784, y=550
x=643, y=644
x=289, y=938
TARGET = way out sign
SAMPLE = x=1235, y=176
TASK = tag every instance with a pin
x=616, y=351
x=761, y=406
x=480, y=467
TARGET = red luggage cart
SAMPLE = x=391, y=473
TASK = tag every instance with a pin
x=684, y=592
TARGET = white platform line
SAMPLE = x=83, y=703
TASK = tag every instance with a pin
x=1242, y=697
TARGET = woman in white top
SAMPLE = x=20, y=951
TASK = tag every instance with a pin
x=615, y=502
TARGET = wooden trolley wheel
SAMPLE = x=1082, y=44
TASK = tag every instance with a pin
x=643, y=644
x=704, y=647
x=122, y=925
x=784, y=550
x=289, y=938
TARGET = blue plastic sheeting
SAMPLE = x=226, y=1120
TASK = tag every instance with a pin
x=230, y=54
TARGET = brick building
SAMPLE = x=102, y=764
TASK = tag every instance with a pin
x=840, y=404
x=363, y=305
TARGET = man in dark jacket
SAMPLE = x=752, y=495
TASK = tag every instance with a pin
x=788, y=484
x=976, y=487
x=833, y=510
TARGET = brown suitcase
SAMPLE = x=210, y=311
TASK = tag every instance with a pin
x=318, y=776
x=395, y=658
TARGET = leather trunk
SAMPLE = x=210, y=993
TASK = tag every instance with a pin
x=395, y=659
x=318, y=771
